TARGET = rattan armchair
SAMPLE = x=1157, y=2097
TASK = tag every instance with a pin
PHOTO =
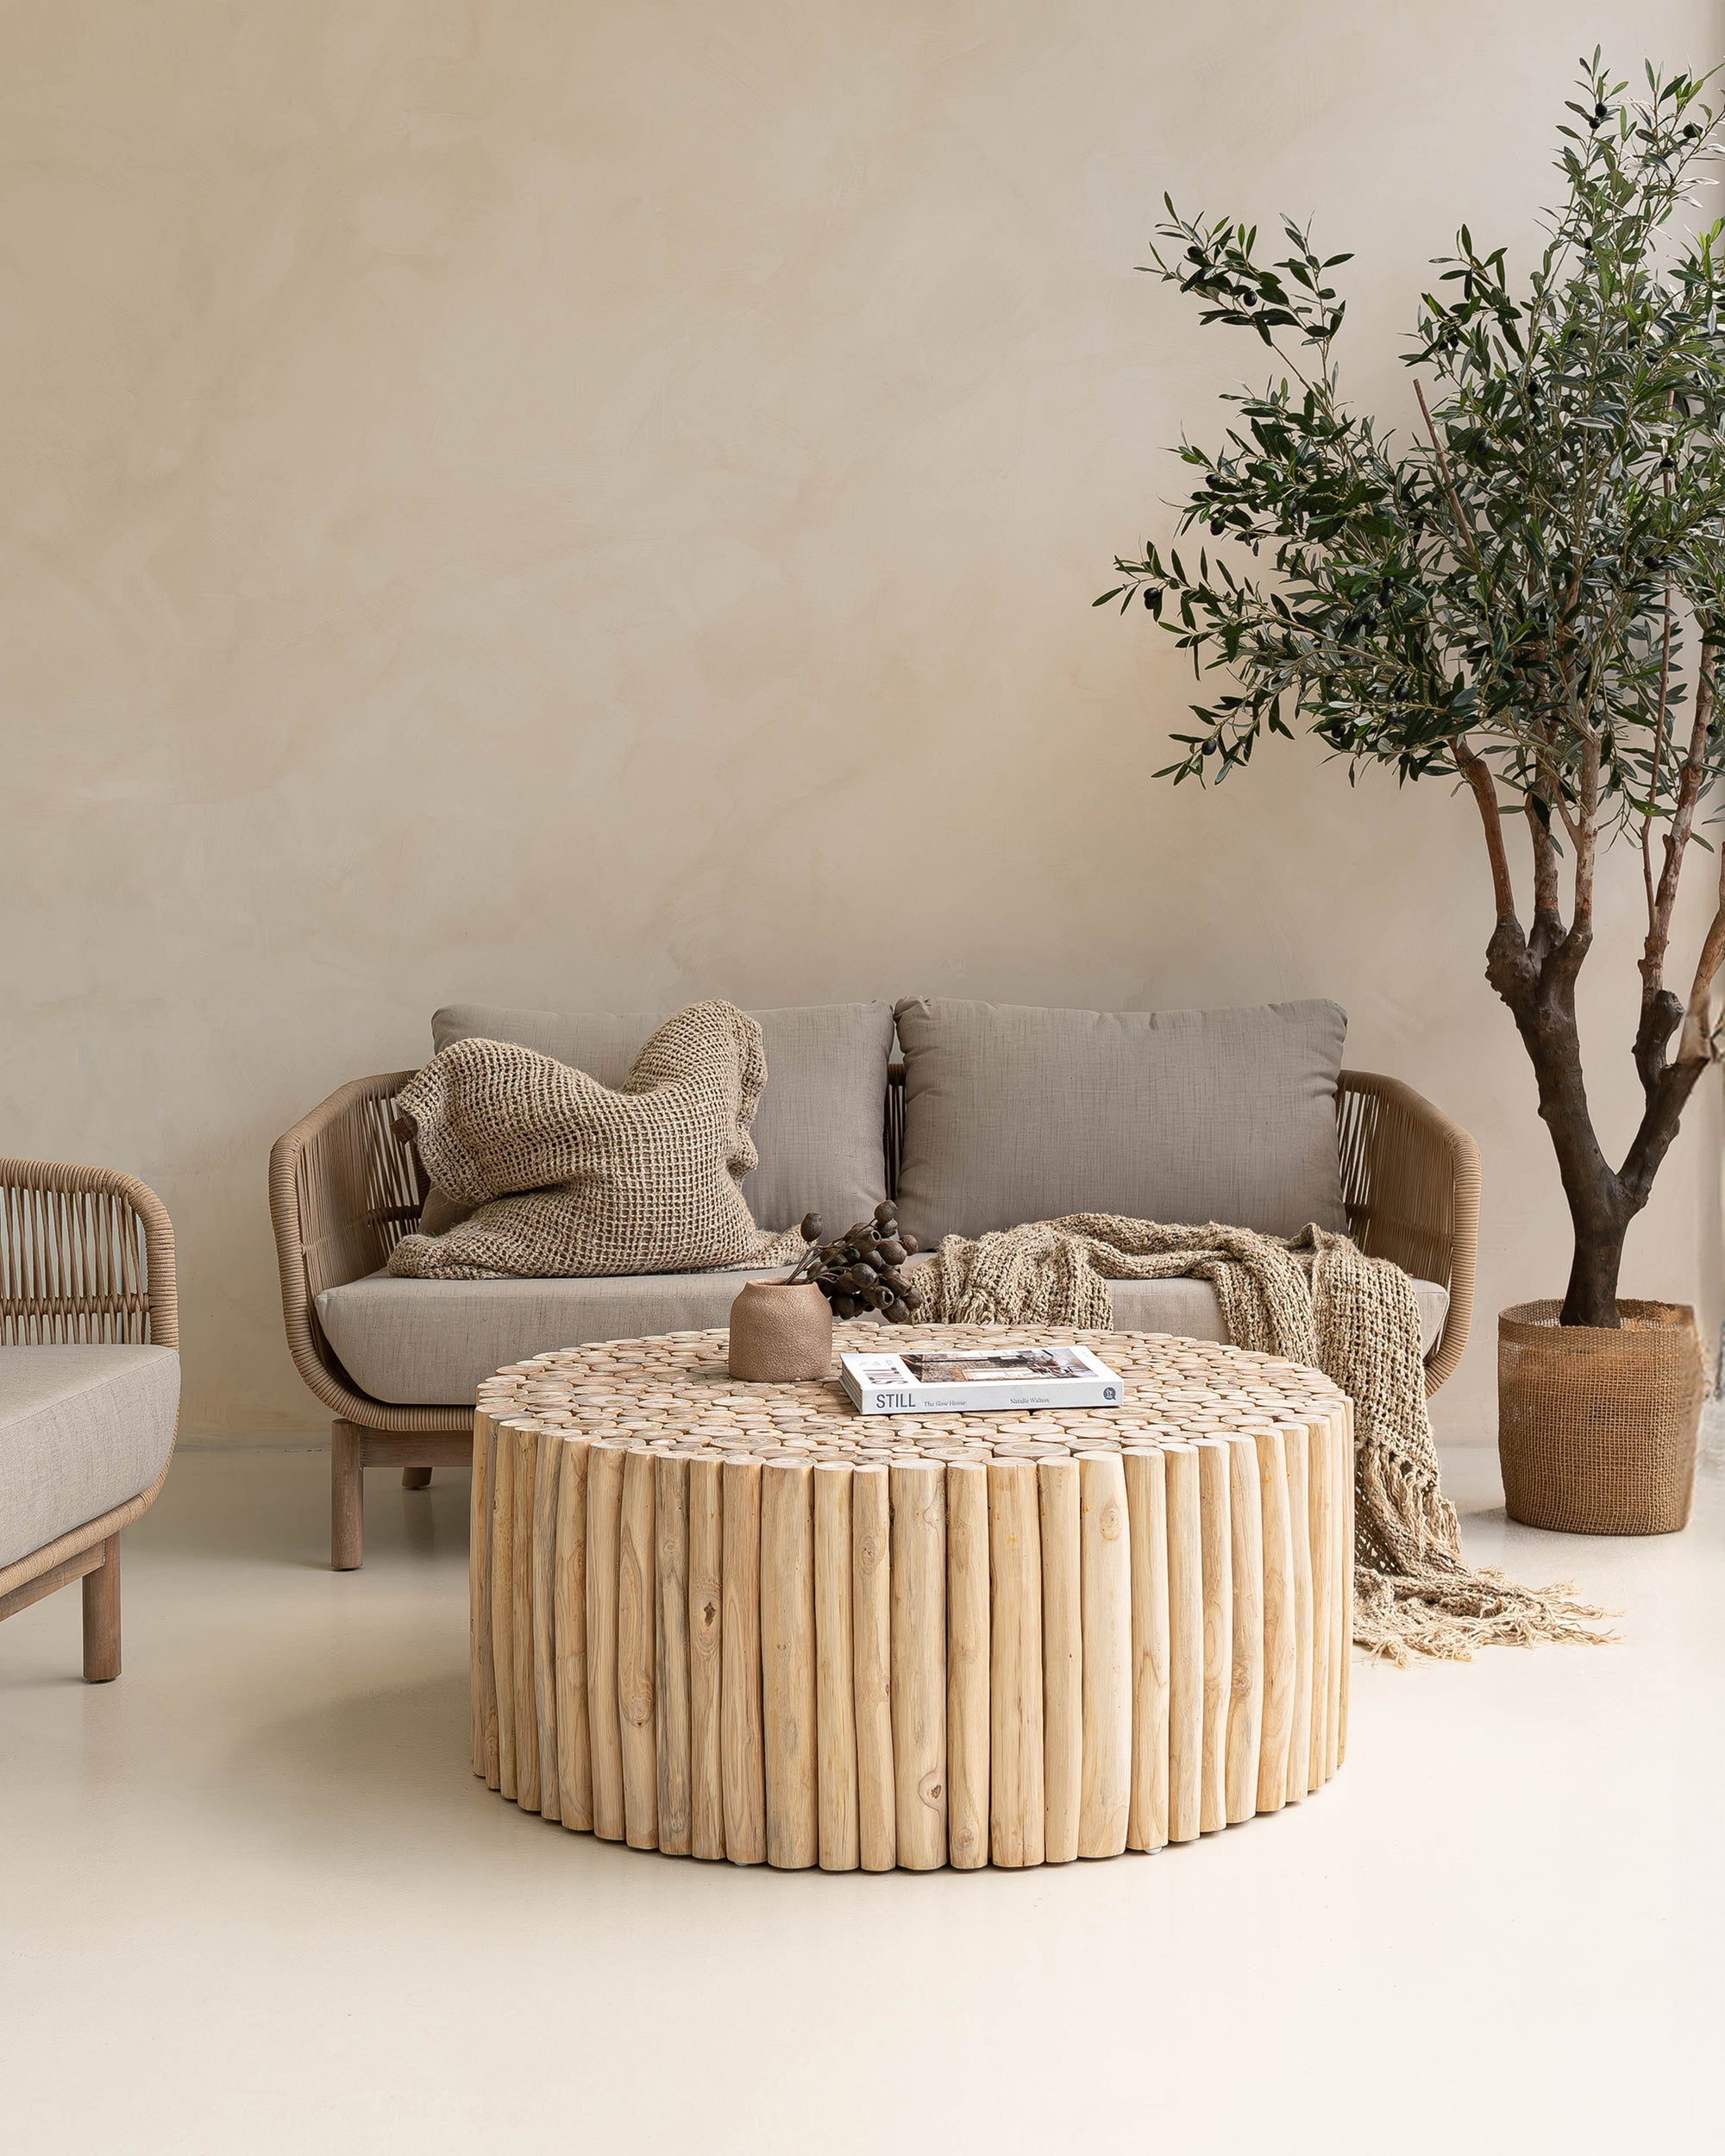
x=345, y=1189
x=87, y=1259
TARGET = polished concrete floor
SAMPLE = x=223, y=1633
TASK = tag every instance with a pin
x=254, y=1900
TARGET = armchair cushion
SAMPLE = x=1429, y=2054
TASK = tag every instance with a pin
x=82, y=1429
x=1014, y=1114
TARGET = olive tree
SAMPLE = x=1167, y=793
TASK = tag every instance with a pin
x=1524, y=596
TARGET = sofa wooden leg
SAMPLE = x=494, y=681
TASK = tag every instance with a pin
x=347, y=1499
x=101, y=1617
x=415, y=1478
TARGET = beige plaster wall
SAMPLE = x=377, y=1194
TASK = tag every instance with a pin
x=573, y=503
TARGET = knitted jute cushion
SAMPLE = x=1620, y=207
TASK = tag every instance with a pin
x=569, y=1179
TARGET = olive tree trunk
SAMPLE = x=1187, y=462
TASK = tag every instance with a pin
x=1538, y=984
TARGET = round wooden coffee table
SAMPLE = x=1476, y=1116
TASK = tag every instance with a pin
x=744, y=1621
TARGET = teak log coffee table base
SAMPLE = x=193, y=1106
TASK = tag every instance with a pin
x=743, y=1622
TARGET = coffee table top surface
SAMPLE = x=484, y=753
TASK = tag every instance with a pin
x=675, y=1391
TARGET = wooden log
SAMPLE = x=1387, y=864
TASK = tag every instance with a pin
x=918, y=1676
x=1246, y=1698
x=635, y=1672
x=605, y=1526
x=671, y=1650
x=1017, y=1797
x=479, y=1593
x=740, y=1741
x=547, y=1451
x=526, y=1442
x=1295, y=1446
x=1341, y=1569
x=503, y=1600
x=967, y=1734
x=1185, y=1642
x=1063, y=1661
x=787, y=1660
x=1216, y=1532
x=706, y=1585
x=1147, y=1479
x=1350, y=1475
x=1278, y=1620
x=1321, y=1528
x=877, y=1828
x=835, y=1668
x=480, y=1596
x=1104, y=1545
x=569, y=1623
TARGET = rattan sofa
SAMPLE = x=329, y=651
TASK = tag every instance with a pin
x=345, y=1187
x=89, y=1383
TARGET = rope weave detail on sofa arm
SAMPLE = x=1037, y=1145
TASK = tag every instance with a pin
x=1410, y=1182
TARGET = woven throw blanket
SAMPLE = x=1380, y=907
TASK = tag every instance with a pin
x=1314, y=1298
x=570, y=1179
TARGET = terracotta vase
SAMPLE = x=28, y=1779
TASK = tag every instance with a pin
x=780, y=1332
x=1596, y=1427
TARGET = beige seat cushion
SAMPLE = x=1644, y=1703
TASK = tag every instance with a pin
x=82, y=1429
x=1014, y=1114
x=428, y=1343
x=820, y=1123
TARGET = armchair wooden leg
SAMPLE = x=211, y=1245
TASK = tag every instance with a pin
x=347, y=1499
x=101, y=1617
x=415, y=1478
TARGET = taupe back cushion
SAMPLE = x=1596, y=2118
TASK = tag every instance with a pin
x=1014, y=1114
x=817, y=1129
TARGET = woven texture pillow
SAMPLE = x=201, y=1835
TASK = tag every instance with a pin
x=571, y=1179
x=817, y=1128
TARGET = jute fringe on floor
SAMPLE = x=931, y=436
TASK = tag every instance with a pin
x=1315, y=1299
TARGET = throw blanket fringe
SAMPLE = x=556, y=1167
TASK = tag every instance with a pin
x=1315, y=1299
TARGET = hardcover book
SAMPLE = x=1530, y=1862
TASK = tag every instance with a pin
x=924, y=1380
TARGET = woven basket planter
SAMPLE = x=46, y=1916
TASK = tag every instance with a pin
x=1596, y=1429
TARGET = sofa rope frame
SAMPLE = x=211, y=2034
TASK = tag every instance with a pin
x=1410, y=1184
x=86, y=1260
x=344, y=1189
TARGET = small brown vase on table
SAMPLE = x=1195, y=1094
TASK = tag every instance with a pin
x=780, y=1332
x=1596, y=1426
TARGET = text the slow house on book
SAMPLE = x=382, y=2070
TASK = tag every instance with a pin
x=971, y=1381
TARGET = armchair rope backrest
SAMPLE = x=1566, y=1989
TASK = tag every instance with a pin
x=86, y=1258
